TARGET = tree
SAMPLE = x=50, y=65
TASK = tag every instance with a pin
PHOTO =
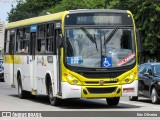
x=77, y=4
x=146, y=14
x=32, y=8
x=29, y=8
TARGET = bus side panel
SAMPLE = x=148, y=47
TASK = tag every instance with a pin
x=55, y=75
x=22, y=65
x=8, y=69
x=45, y=65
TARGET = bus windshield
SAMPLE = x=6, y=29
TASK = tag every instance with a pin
x=99, y=47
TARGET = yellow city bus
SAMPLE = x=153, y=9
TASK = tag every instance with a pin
x=73, y=54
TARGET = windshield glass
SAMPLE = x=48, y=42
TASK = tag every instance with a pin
x=99, y=48
x=156, y=70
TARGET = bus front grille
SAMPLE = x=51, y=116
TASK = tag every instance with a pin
x=101, y=90
x=97, y=82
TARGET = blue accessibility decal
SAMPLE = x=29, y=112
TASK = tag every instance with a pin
x=107, y=62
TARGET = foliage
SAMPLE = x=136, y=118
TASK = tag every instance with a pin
x=29, y=8
x=77, y=4
x=146, y=14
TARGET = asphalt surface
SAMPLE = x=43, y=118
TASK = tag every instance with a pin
x=9, y=100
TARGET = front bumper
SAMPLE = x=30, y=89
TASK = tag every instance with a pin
x=74, y=91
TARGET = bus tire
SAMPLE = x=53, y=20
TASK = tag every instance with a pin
x=113, y=101
x=133, y=98
x=54, y=101
x=21, y=93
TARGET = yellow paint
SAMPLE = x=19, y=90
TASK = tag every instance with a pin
x=34, y=92
x=18, y=59
x=36, y=20
x=135, y=36
x=8, y=59
x=63, y=18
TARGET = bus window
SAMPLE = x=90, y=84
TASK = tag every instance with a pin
x=41, y=38
x=26, y=40
x=19, y=40
x=22, y=41
x=50, y=37
x=6, y=46
x=45, y=41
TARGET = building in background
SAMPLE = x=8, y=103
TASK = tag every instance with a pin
x=1, y=36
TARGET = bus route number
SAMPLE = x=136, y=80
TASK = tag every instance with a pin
x=74, y=60
x=82, y=19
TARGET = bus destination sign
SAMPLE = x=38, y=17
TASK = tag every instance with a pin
x=99, y=20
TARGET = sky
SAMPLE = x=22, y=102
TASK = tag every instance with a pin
x=5, y=6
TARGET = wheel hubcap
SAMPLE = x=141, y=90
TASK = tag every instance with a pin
x=154, y=95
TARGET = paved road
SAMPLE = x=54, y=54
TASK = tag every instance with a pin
x=9, y=101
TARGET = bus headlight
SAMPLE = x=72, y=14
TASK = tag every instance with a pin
x=131, y=76
x=128, y=79
x=72, y=80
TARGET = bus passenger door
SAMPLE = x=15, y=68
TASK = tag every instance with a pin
x=32, y=62
x=11, y=52
x=59, y=70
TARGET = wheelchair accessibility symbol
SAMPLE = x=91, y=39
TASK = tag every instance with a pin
x=106, y=62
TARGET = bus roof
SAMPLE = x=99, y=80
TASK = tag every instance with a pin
x=35, y=20
x=97, y=10
x=57, y=16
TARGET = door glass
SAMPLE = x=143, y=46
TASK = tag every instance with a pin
x=142, y=69
x=156, y=70
x=149, y=69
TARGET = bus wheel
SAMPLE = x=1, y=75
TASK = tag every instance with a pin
x=154, y=96
x=113, y=101
x=54, y=101
x=133, y=98
x=21, y=93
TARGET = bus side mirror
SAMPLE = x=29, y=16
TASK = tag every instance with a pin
x=60, y=41
x=139, y=40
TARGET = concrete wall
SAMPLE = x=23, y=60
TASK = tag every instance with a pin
x=1, y=35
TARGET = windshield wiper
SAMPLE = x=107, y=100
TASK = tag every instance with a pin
x=111, y=35
x=90, y=37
